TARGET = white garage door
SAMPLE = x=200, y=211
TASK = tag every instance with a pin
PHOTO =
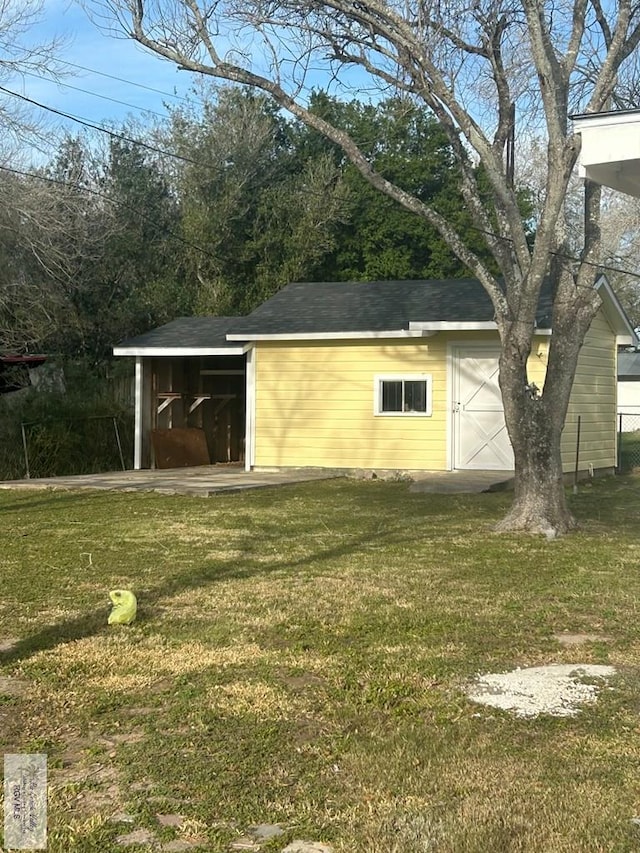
x=480, y=438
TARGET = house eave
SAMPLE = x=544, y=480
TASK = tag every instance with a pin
x=162, y=352
x=614, y=312
x=610, y=149
x=329, y=336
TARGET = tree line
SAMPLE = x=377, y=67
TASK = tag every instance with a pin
x=211, y=212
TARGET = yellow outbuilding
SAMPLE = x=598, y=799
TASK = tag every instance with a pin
x=382, y=376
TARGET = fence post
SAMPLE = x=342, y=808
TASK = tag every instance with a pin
x=117, y=431
x=575, y=476
x=620, y=443
x=26, y=454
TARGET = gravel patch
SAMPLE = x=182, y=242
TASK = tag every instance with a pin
x=557, y=689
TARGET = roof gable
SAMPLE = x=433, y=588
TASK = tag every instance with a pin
x=371, y=306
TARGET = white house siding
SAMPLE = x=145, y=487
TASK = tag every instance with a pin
x=628, y=406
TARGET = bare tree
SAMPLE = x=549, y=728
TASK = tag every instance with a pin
x=29, y=307
x=47, y=229
x=476, y=64
x=20, y=56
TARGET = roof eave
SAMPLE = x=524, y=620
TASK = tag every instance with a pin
x=163, y=352
x=329, y=336
x=615, y=314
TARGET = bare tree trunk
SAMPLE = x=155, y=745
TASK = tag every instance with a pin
x=539, y=504
x=535, y=417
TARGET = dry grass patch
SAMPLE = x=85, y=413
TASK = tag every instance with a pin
x=125, y=662
x=254, y=699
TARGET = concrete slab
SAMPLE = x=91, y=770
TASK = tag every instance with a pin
x=200, y=481
x=461, y=482
x=205, y=480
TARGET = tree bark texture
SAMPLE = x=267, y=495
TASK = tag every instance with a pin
x=535, y=418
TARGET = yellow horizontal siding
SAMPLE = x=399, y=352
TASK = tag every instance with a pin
x=593, y=398
x=315, y=402
x=315, y=405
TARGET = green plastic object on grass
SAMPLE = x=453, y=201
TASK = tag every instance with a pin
x=124, y=607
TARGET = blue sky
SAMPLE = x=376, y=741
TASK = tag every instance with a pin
x=113, y=69
x=85, y=45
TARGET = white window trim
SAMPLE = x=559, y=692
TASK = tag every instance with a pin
x=379, y=378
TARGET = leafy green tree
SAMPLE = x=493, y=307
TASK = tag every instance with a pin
x=410, y=148
x=249, y=203
x=114, y=254
x=139, y=279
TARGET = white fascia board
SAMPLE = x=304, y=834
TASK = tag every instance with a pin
x=449, y=326
x=607, y=119
x=484, y=326
x=446, y=326
x=614, y=312
x=328, y=336
x=177, y=351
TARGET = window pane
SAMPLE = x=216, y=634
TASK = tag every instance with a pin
x=391, y=397
x=415, y=396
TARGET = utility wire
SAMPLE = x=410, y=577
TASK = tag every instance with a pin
x=135, y=210
x=109, y=77
x=173, y=155
x=213, y=257
x=99, y=127
x=562, y=255
x=177, y=156
x=93, y=94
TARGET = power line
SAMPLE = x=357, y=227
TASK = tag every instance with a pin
x=89, y=124
x=173, y=155
x=111, y=77
x=135, y=210
x=93, y=94
x=558, y=254
x=128, y=82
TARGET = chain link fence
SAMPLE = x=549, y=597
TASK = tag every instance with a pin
x=628, y=441
x=88, y=445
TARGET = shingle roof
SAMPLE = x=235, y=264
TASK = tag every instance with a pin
x=372, y=306
x=326, y=307
x=210, y=332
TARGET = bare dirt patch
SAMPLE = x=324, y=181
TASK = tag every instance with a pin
x=569, y=640
x=10, y=686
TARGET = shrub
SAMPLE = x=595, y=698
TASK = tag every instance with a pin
x=70, y=431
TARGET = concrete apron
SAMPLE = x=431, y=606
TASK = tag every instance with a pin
x=460, y=482
x=205, y=480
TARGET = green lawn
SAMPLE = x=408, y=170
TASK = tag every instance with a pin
x=300, y=658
